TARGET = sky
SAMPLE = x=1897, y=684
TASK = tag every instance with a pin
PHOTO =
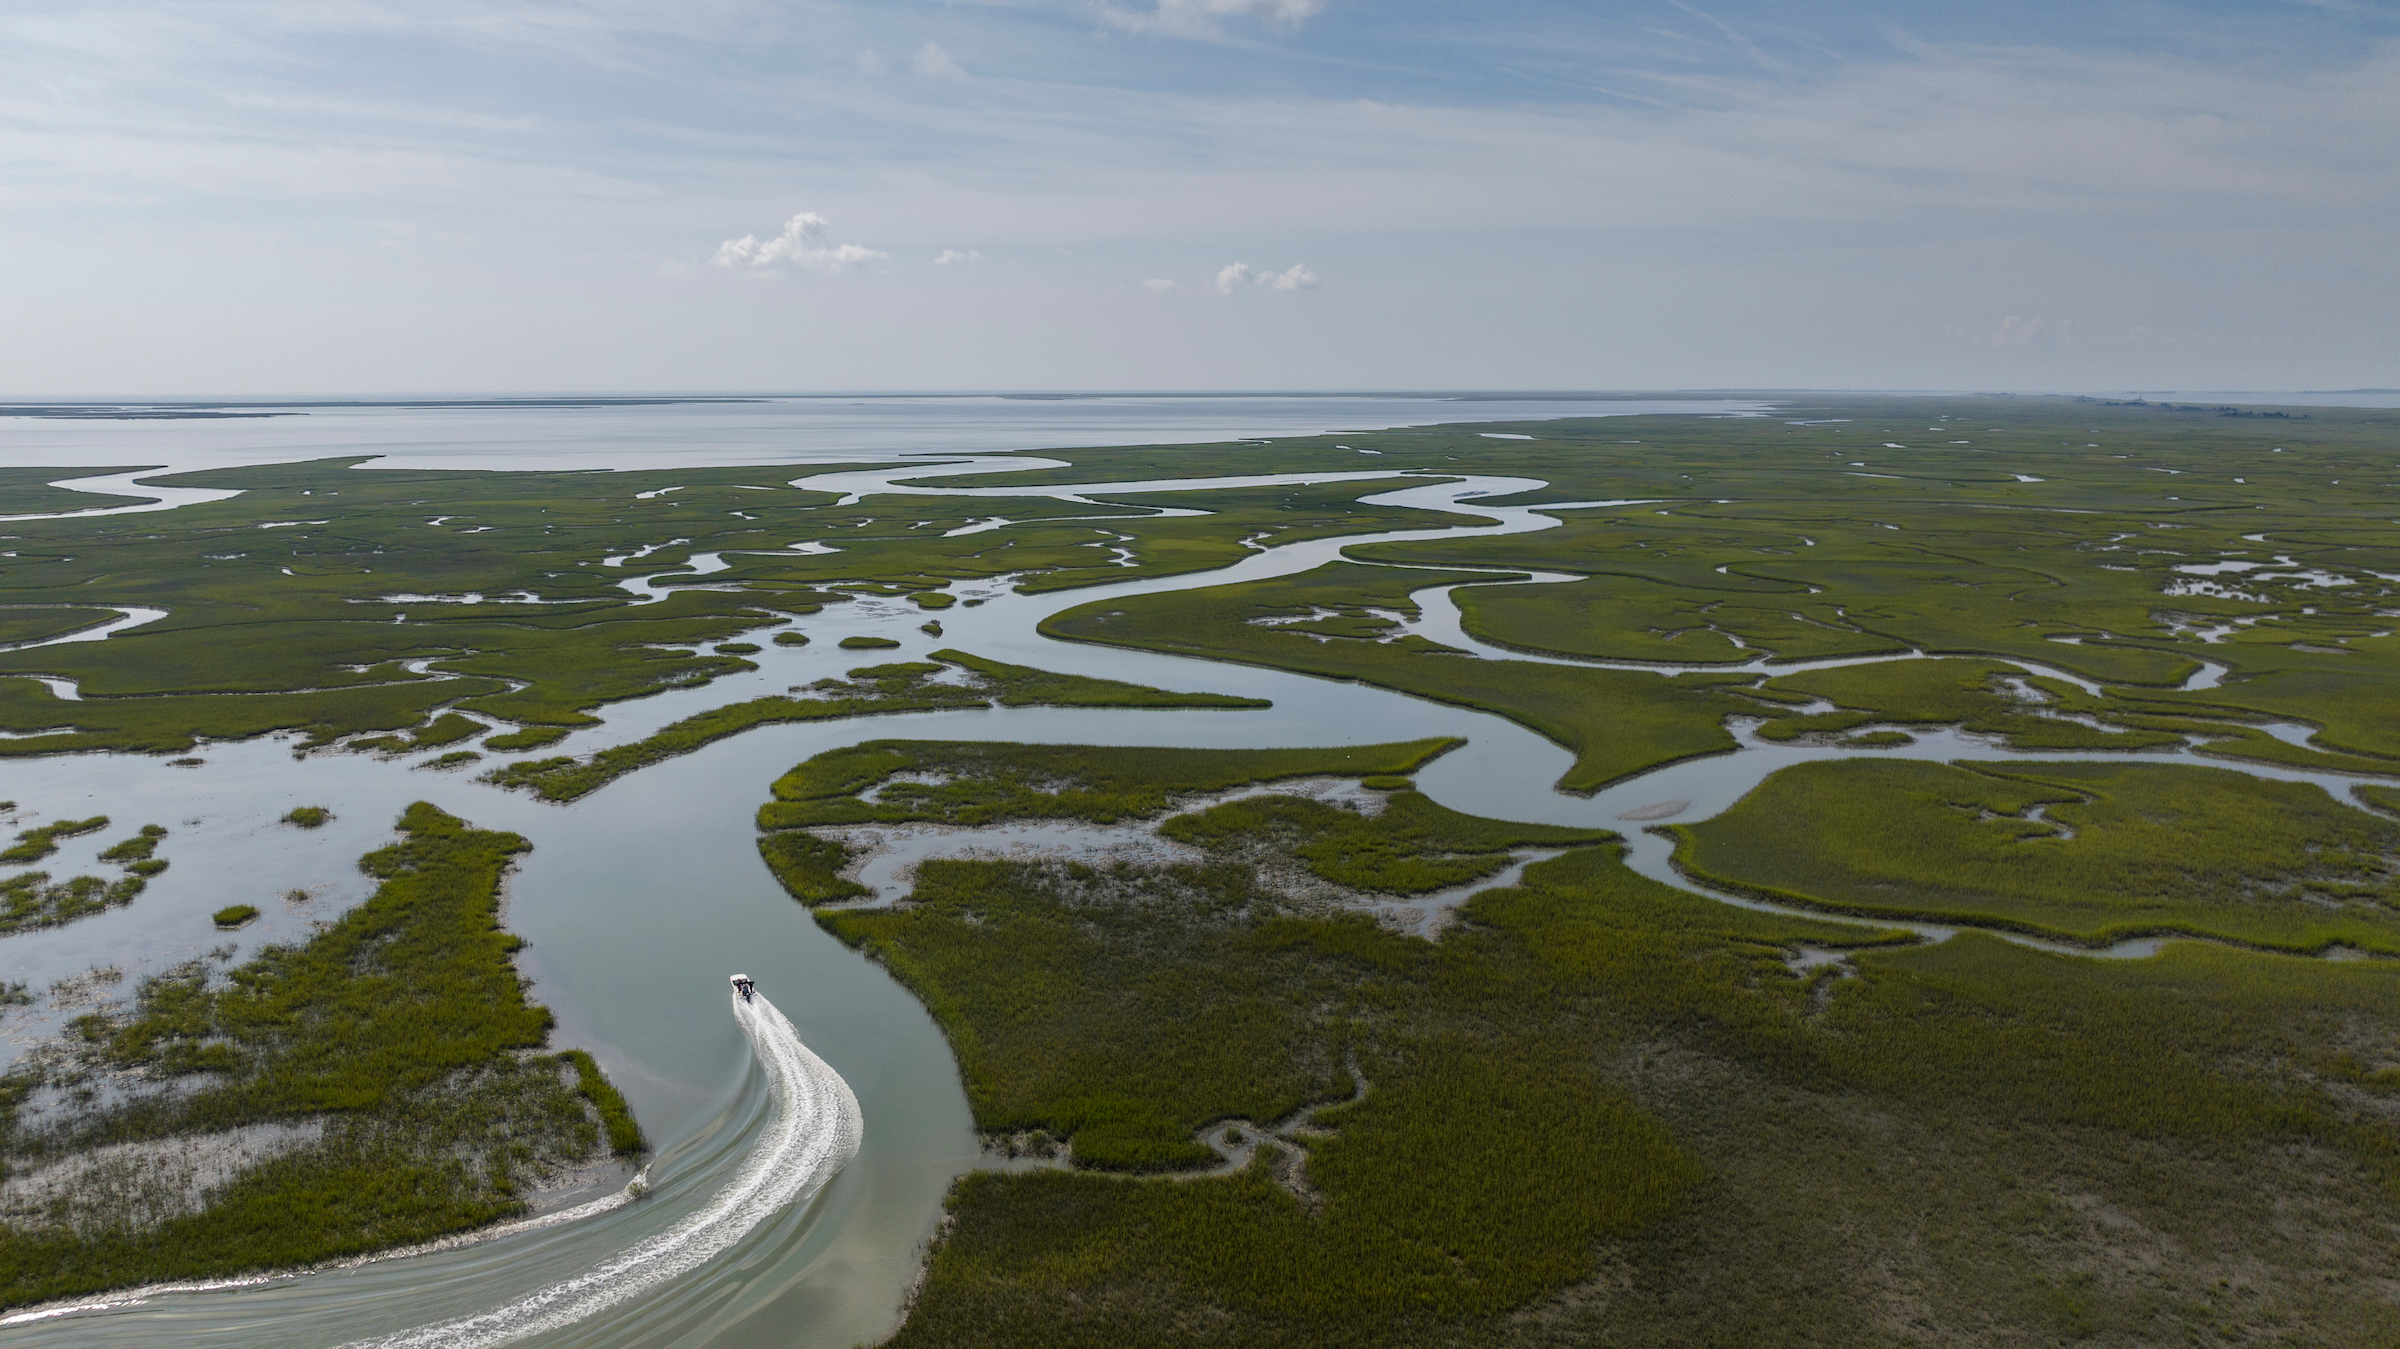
x=228, y=197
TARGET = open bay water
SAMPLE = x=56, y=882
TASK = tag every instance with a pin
x=638, y=901
x=601, y=434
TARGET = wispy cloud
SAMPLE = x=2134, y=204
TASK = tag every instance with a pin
x=950, y=256
x=1200, y=18
x=802, y=244
x=1732, y=35
x=933, y=63
x=1234, y=275
x=871, y=64
x=1159, y=285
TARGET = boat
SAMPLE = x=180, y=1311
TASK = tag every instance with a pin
x=743, y=984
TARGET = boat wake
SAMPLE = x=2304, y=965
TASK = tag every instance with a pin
x=813, y=1132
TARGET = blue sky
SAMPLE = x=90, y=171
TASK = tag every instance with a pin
x=374, y=196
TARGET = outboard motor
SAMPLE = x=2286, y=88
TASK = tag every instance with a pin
x=742, y=984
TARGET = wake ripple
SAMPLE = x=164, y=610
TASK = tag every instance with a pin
x=813, y=1133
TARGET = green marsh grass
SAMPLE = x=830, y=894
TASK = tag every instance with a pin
x=34, y=844
x=624, y=1135
x=235, y=915
x=1411, y=847
x=403, y=1028
x=1617, y=722
x=1592, y=1081
x=142, y=847
x=2087, y=852
x=873, y=689
x=530, y=737
x=30, y=899
x=974, y=784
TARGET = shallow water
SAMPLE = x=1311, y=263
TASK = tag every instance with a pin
x=640, y=899
x=773, y=430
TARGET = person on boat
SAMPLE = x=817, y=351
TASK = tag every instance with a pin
x=742, y=984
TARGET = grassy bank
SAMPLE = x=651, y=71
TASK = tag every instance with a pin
x=1617, y=722
x=870, y=690
x=2090, y=852
x=1600, y=1110
x=977, y=784
x=400, y=1039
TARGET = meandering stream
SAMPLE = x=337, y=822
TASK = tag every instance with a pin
x=639, y=900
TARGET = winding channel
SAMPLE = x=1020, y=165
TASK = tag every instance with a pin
x=637, y=901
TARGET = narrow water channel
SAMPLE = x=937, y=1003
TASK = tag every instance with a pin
x=639, y=900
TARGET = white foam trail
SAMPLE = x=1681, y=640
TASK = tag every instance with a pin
x=812, y=1134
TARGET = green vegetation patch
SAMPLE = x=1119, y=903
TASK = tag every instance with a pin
x=2079, y=851
x=530, y=737
x=809, y=867
x=624, y=1135
x=1127, y=1007
x=402, y=1030
x=235, y=915
x=1968, y=693
x=34, y=844
x=1596, y=1075
x=1325, y=622
x=27, y=491
x=142, y=847
x=975, y=784
x=1411, y=847
x=860, y=643
x=172, y=724
x=906, y=686
x=791, y=639
x=36, y=624
x=308, y=817
x=30, y=899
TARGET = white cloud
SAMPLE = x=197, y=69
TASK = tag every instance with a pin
x=1198, y=18
x=1159, y=285
x=871, y=64
x=951, y=255
x=1294, y=277
x=802, y=244
x=935, y=64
